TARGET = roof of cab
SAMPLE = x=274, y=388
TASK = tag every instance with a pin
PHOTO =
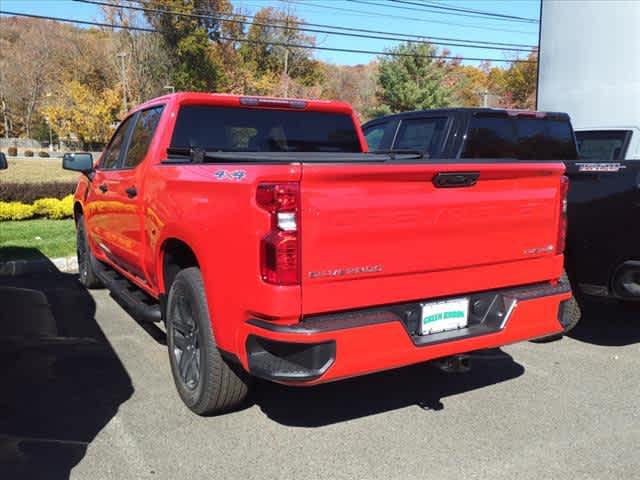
x=227, y=100
x=458, y=110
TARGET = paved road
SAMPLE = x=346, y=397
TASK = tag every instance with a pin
x=92, y=398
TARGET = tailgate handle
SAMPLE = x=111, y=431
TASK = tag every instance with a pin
x=455, y=179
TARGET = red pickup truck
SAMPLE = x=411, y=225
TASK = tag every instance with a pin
x=272, y=245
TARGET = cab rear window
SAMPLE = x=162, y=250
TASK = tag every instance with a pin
x=263, y=130
x=520, y=137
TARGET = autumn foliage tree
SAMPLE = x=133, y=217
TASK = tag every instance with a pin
x=187, y=39
x=78, y=111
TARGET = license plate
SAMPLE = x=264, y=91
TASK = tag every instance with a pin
x=444, y=315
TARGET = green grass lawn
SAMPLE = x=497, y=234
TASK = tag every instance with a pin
x=33, y=238
x=34, y=170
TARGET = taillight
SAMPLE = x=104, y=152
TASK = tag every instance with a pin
x=280, y=248
x=562, y=226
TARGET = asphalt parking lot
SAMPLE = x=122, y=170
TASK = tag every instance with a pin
x=87, y=394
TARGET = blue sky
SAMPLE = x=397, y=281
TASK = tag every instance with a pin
x=382, y=15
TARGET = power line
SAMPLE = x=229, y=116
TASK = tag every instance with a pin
x=80, y=22
x=468, y=10
x=299, y=29
x=375, y=52
x=427, y=9
x=382, y=32
x=310, y=4
x=262, y=42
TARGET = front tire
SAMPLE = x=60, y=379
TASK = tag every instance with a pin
x=86, y=272
x=206, y=383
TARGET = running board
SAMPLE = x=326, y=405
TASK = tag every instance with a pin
x=142, y=306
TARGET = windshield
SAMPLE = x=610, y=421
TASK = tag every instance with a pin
x=263, y=130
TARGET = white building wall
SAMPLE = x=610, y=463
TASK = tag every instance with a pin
x=590, y=61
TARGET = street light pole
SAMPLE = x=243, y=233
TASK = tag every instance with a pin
x=50, y=134
x=123, y=77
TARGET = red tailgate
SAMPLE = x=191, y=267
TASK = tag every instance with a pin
x=375, y=234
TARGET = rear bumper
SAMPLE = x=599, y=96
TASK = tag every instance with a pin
x=333, y=346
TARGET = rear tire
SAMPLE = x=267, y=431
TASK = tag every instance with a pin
x=87, y=274
x=206, y=383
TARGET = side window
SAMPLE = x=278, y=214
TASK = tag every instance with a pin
x=111, y=156
x=420, y=134
x=142, y=135
x=607, y=145
x=374, y=136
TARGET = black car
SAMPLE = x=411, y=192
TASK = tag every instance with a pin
x=604, y=214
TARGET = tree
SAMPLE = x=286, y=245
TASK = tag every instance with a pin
x=188, y=39
x=148, y=68
x=354, y=84
x=470, y=83
x=78, y=111
x=26, y=72
x=413, y=81
x=520, y=82
x=267, y=54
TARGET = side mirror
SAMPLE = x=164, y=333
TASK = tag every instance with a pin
x=78, y=162
x=3, y=161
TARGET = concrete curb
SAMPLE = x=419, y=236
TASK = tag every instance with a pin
x=39, y=265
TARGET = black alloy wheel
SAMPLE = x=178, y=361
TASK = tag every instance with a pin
x=185, y=343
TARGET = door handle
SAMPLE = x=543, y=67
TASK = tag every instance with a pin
x=103, y=187
x=455, y=179
x=131, y=192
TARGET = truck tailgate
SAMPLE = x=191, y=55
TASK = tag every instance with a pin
x=376, y=234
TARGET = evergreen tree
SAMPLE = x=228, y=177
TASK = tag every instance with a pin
x=413, y=82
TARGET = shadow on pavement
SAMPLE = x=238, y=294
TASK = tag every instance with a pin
x=423, y=385
x=61, y=380
x=608, y=324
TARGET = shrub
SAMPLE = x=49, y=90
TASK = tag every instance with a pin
x=28, y=153
x=30, y=192
x=52, y=208
x=15, y=211
x=43, y=154
x=12, y=151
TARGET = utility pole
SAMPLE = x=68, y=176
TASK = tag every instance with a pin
x=6, y=120
x=485, y=98
x=288, y=35
x=286, y=72
x=48, y=122
x=123, y=77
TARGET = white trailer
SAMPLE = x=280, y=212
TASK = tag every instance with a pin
x=589, y=67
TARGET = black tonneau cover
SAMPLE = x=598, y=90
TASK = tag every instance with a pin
x=182, y=156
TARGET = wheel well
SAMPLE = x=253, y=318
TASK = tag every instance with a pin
x=77, y=211
x=177, y=256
